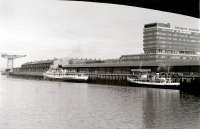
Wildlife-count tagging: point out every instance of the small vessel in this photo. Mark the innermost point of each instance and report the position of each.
(146, 79)
(61, 74)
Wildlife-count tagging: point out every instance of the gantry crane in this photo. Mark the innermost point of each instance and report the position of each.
(10, 60)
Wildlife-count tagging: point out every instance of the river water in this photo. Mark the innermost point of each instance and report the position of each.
(35, 104)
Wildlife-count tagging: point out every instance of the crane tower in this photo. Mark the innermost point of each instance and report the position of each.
(10, 60)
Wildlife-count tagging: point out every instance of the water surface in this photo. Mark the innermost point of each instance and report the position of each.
(35, 104)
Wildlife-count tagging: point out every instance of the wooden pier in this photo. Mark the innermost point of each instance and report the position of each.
(112, 79)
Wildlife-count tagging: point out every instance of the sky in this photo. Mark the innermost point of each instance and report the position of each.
(46, 29)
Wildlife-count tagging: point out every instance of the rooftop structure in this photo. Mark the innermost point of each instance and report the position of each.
(39, 62)
(41, 65)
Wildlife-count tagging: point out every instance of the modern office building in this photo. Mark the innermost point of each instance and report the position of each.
(165, 44)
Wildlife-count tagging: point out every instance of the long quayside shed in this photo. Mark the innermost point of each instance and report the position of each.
(36, 68)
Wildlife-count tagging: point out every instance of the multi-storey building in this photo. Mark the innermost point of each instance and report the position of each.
(164, 44)
(161, 38)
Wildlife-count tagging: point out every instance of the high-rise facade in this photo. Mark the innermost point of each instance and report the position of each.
(164, 44)
(161, 38)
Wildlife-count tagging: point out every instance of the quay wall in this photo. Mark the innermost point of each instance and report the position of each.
(101, 75)
(34, 75)
(111, 79)
(190, 85)
(116, 74)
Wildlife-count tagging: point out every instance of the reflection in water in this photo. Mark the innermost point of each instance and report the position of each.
(159, 107)
(167, 108)
(33, 104)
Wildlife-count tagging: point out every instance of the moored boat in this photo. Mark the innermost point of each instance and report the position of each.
(60, 74)
(160, 83)
(147, 79)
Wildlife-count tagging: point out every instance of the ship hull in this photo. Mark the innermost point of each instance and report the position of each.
(149, 84)
(70, 78)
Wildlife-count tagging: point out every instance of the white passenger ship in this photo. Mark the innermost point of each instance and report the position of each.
(147, 80)
(61, 74)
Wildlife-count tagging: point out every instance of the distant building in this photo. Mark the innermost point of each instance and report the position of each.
(37, 66)
(71, 61)
(166, 45)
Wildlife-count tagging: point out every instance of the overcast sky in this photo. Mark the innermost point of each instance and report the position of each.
(44, 29)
